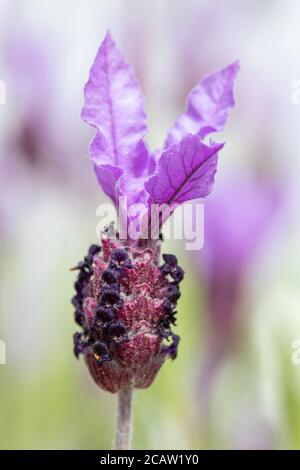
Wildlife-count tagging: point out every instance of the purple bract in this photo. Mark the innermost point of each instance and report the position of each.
(184, 169)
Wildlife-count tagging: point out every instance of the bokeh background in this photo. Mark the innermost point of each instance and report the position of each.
(236, 382)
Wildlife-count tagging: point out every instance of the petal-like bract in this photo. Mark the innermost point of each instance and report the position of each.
(207, 106)
(113, 104)
(185, 171)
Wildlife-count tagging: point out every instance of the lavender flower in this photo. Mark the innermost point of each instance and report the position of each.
(29, 64)
(125, 303)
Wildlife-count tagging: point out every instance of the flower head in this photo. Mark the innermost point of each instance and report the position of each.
(125, 302)
(125, 305)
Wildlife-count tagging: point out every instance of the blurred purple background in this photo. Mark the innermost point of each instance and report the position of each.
(234, 384)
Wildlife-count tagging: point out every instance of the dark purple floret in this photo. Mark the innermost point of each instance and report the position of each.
(110, 297)
(173, 293)
(94, 250)
(78, 285)
(88, 259)
(76, 302)
(101, 352)
(85, 266)
(168, 306)
(116, 329)
(177, 274)
(170, 259)
(172, 319)
(79, 345)
(109, 278)
(120, 259)
(91, 336)
(79, 317)
(85, 272)
(172, 349)
(83, 276)
(170, 267)
(164, 330)
(105, 314)
(119, 255)
(82, 280)
(165, 269)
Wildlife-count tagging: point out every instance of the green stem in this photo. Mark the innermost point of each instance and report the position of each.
(124, 420)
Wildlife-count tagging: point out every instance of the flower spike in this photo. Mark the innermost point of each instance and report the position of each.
(125, 303)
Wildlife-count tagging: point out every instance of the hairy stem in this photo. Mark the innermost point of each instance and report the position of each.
(124, 420)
